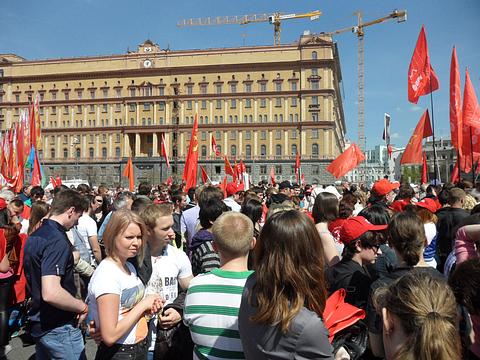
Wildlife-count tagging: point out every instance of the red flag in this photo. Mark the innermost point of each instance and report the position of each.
(205, 177)
(470, 110)
(303, 180)
(243, 168)
(346, 161)
(53, 182)
(424, 169)
(228, 167)
(128, 172)
(169, 181)
(58, 180)
(164, 151)
(36, 173)
(297, 167)
(215, 149)
(455, 174)
(455, 103)
(191, 164)
(422, 80)
(238, 170)
(413, 151)
(32, 125)
(389, 150)
(223, 186)
(272, 175)
(38, 133)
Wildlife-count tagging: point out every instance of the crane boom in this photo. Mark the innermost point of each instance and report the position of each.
(275, 19)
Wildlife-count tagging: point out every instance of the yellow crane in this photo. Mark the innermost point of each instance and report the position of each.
(401, 16)
(275, 19)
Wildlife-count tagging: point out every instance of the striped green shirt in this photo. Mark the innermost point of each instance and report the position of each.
(211, 313)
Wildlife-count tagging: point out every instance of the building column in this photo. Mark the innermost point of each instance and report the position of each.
(303, 150)
(155, 144)
(270, 143)
(137, 144)
(97, 146)
(110, 145)
(255, 143)
(240, 143)
(155, 112)
(167, 113)
(286, 152)
(127, 151)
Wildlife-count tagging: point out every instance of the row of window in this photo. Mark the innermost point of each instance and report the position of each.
(204, 150)
(91, 153)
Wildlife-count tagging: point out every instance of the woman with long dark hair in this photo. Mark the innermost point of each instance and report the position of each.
(283, 301)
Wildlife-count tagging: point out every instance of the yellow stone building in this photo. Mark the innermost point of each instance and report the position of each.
(261, 103)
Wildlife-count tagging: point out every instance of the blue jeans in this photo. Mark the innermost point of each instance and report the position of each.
(62, 343)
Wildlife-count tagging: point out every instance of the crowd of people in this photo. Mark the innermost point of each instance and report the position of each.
(343, 271)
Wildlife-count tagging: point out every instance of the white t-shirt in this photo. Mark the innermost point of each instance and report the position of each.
(430, 231)
(108, 278)
(166, 270)
(87, 227)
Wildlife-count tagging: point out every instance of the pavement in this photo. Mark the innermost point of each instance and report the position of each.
(19, 352)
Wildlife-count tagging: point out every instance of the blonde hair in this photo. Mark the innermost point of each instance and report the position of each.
(152, 212)
(116, 227)
(233, 233)
(426, 309)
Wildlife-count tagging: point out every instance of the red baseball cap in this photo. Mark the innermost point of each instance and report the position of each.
(233, 188)
(384, 186)
(428, 204)
(355, 227)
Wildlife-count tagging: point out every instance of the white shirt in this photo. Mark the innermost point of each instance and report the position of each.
(232, 204)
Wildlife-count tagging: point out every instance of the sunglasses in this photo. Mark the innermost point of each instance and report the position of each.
(100, 201)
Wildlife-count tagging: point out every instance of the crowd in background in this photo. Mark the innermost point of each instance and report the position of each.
(228, 273)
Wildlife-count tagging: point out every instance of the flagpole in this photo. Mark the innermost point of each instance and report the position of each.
(161, 169)
(433, 135)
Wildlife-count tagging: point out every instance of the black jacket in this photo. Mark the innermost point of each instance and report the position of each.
(447, 225)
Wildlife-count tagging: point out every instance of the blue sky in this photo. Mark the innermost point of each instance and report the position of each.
(59, 28)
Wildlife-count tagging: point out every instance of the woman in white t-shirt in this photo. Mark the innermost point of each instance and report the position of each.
(116, 293)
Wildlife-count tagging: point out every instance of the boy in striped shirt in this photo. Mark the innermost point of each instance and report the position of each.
(213, 298)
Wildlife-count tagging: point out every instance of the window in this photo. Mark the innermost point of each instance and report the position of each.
(54, 96)
(79, 109)
(263, 150)
(248, 103)
(161, 105)
(314, 149)
(278, 169)
(218, 88)
(314, 85)
(314, 133)
(315, 116)
(248, 151)
(118, 107)
(204, 104)
(161, 91)
(294, 149)
(233, 104)
(248, 135)
(248, 87)
(118, 92)
(52, 153)
(17, 98)
(67, 95)
(278, 150)
(189, 104)
(294, 134)
(315, 170)
(314, 100)
(131, 107)
(280, 118)
(278, 134)
(104, 152)
(278, 86)
(204, 135)
(278, 102)
(233, 150)
(218, 104)
(78, 153)
(263, 102)
(294, 85)
(203, 151)
(65, 110)
(92, 108)
(263, 87)
(65, 153)
(203, 89)
(314, 72)
(233, 88)
(92, 94)
(314, 55)
(189, 89)
(294, 102)
(105, 93)
(117, 152)
(233, 135)
(263, 135)
(221, 119)
(263, 169)
(132, 91)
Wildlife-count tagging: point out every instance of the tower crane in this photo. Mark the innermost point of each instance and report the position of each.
(401, 16)
(275, 19)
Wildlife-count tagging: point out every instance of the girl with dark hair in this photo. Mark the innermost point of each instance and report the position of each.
(325, 210)
(361, 248)
(283, 301)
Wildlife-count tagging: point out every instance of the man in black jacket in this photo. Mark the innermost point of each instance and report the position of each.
(449, 217)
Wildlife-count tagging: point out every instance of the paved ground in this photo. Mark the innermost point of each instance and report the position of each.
(28, 353)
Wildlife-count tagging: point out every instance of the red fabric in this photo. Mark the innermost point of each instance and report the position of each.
(164, 151)
(26, 212)
(355, 227)
(399, 205)
(53, 182)
(272, 175)
(413, 150)
(422, 80)
(455, 178)
(228, 168)
(36, 173)
(428, 204)
(223, 186)
(128, 172)
(455, 103)
(384, 186)
(20, 284)
(424, 179)
(339, 315)
(58, 180)
(169, 181)
(389, 150)
(3, 245)
(347, 161)
(204, 175)
(243, 168)
(20, 156)
(470, 110)
(297, 168)
(232, 188)
(335, 226)
(191, 164)
(215, 149)
(32, 125)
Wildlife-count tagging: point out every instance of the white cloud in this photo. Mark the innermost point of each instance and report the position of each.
(416, 108)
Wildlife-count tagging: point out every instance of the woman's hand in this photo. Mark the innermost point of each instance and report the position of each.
(152, 303)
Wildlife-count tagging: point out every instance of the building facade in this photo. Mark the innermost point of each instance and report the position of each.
(263, 104)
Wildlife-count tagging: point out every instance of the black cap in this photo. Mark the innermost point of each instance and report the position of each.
(285, 185)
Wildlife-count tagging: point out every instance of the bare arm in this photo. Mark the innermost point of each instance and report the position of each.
(185, 282)
(329, 250)
(97, 253)
(4, 264)
(111, 328)
(54, 294)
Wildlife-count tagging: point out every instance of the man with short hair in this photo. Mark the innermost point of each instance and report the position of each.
(213, 298)
(55, 312)
(179, 200)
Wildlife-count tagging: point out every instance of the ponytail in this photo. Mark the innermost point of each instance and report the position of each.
(406, 234)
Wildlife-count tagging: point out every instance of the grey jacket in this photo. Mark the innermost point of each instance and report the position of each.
(307, 337)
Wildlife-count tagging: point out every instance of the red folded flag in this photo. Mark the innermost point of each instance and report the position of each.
(455, 103)
(272, 175)
(191, 163)
(297, 167)
(36, 173)
(243, 168)
(470, 110)
(128, 172)
(205, 177)
(455, 178)
(164, 151)
(303, 179)
(228, 167)
(422, 80)
(424, 169)
(58, 180)
(215, 149)
(471, 127)
(413, 151)
(53, 182)
(346, 161)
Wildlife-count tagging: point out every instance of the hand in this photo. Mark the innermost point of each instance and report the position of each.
(152, 303)
(169, 318)
(94, 332)
(81, 318)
